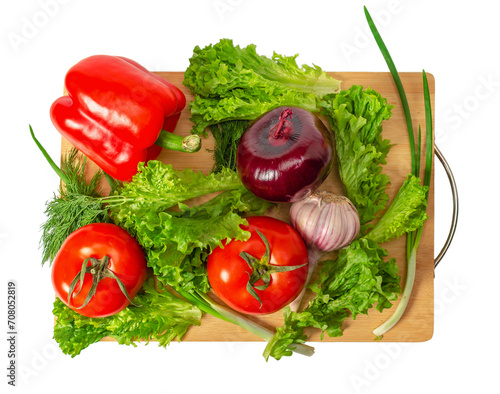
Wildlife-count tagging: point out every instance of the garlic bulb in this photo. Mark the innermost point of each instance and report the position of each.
(326, 222)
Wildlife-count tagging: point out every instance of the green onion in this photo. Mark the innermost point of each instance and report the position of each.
(413, 239)
(428, 128)
(207, 305)
(399, 86)
(58, 171)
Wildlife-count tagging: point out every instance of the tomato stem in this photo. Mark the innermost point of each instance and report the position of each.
(99, 269)
(262, 270)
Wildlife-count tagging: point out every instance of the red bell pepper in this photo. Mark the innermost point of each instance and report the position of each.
(114, 112)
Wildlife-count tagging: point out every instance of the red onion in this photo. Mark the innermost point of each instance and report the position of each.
(285, 154)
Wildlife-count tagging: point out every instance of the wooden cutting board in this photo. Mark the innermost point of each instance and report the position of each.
(418, 320)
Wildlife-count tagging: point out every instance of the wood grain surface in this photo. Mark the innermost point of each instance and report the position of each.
(418, 320)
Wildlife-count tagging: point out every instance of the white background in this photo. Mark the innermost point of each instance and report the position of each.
(457, 41)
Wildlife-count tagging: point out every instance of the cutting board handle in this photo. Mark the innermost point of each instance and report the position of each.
(454, 193)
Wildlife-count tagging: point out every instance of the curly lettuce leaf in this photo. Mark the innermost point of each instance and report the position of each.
(158, 186)
(356, 116)
(286, 336)
(162, 317)
(230, 82)
(359, 279)
(405, 214)
(221, 67)
(176, 242)
(207, 111)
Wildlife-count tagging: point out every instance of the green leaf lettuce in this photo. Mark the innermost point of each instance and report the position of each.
(162, 317)
(229, 82)
(175, 236)
(405, 214)
(356, 116)
(359, 279)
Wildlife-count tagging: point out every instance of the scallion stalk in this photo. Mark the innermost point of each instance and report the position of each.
(207, 305)
(399, 86)
(413, 239)
(56, 168)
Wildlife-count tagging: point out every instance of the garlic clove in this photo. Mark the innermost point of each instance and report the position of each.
(325, 220)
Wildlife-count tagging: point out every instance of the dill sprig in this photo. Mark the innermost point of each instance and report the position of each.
(77, 204)
(226, 137)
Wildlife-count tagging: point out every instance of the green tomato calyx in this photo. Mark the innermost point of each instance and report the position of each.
(261, 269)
(99, 269)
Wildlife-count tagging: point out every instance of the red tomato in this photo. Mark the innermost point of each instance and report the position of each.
(126, 261)
(229, 273)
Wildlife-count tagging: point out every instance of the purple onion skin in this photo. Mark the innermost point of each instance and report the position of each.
(285, 155)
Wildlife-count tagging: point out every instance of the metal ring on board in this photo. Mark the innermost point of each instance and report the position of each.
(454, 219)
